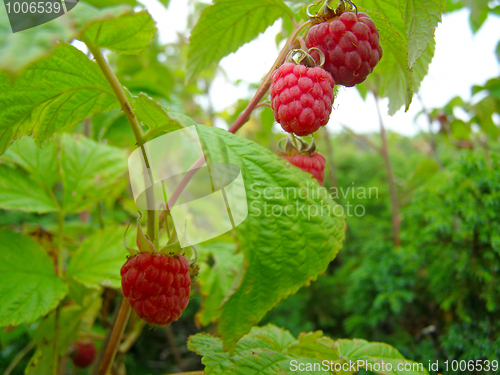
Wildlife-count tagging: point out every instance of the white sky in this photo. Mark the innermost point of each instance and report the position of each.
(461, 61)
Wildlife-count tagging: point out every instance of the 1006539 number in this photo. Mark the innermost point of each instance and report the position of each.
(33, 7)
(472, 365)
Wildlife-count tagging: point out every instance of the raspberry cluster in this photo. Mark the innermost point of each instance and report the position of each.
(350, 44)
(157, 286)
(343, 48)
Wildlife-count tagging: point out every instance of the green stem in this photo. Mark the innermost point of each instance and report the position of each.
(156, 229)
(119, 92)
(60, 220)
(125, 307)
(150, 222)
(60, 228)
(19, 356)
(99, 215)
(129, 113)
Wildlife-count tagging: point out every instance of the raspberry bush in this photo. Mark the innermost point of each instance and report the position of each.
(82, 94)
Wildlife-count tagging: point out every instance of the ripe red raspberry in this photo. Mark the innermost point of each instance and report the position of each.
(301, 98)
(82, 353)
(313, 164)
(157, 286)
(350, 44)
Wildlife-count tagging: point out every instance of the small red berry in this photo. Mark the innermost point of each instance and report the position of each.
(83, 353)
(350, 44)
(313, 164)
(157, 286)
(301, 98)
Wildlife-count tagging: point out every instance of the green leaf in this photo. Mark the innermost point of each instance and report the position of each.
(29, 190)
(145, 74)
(215, 282)
(22, 192)
(262, 351)
(456, 101)
(493, 87)
(460, 129)
(99, 259)
(31, 288)
(392, 76)
(374, 353)
(42, 361)
(226, 25)
(153, 115)
(70, 319)
(479, 10)
(421, 66)
(39, 162)
(484, 111)
(84, 14)
(272, 350)
(129, 33)
(407, 37)
(424, 171)
(90, 171)
(314, 345)
(421, 19)
(282, 252)
(19, 49)
(60, 90)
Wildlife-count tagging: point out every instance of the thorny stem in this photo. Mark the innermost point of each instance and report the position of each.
(125, 308)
